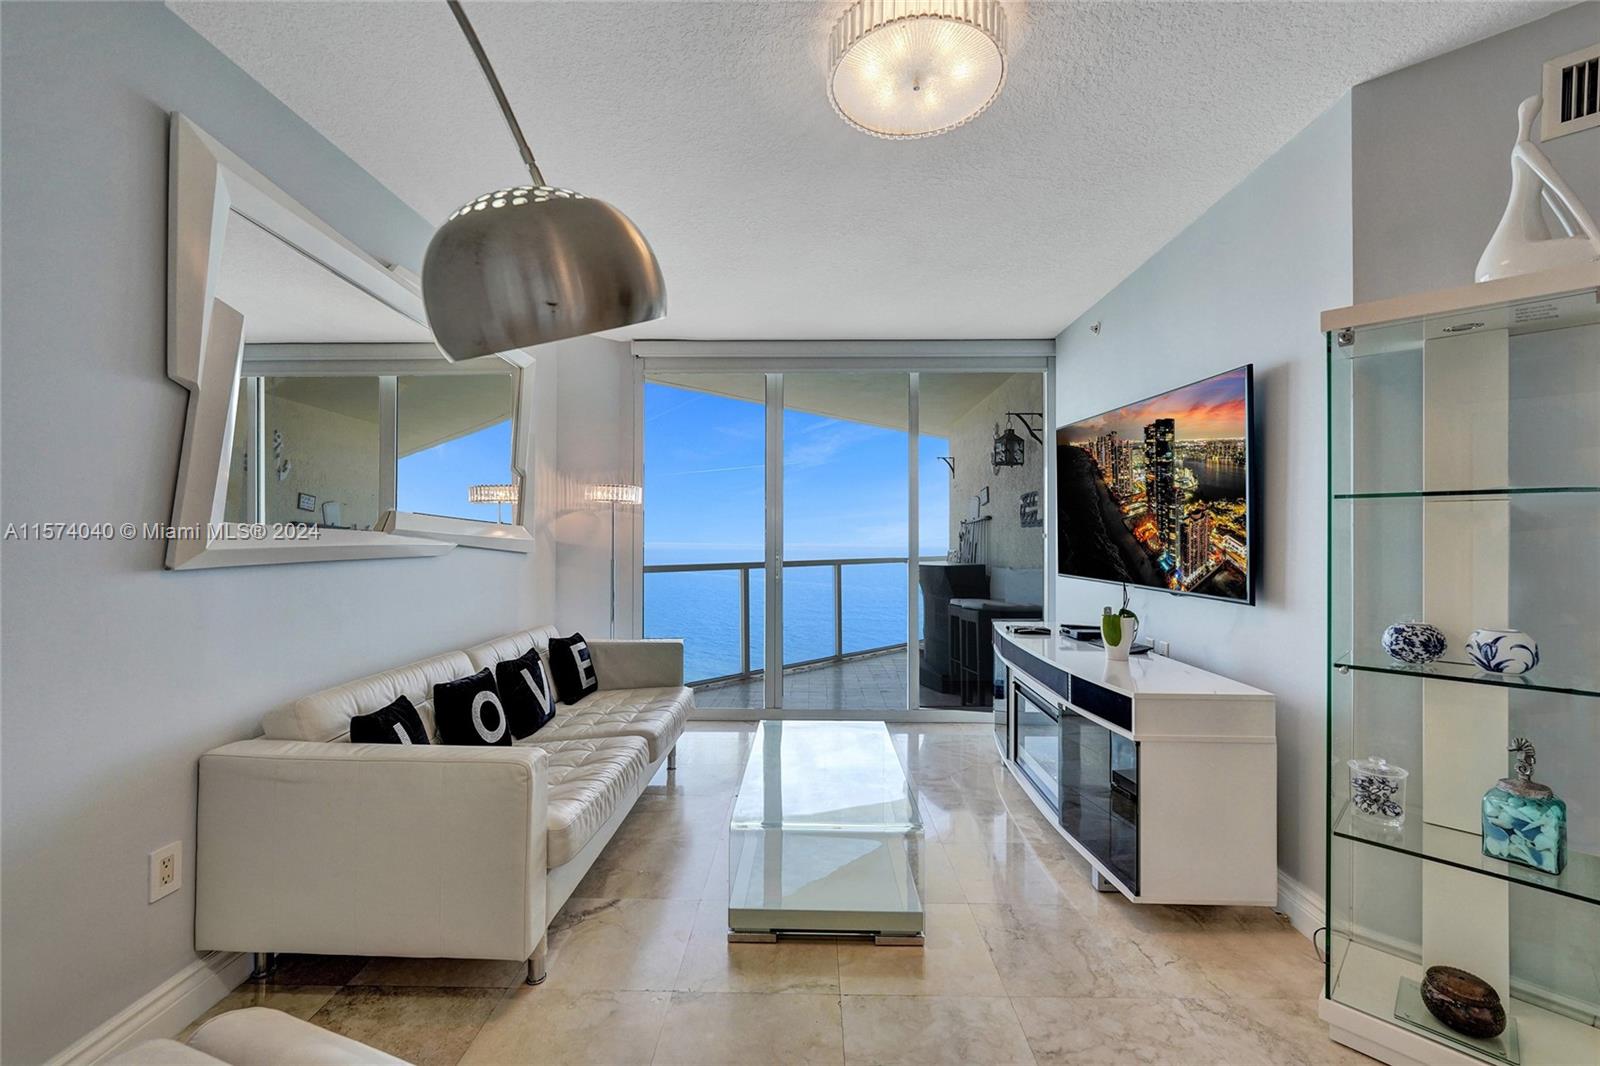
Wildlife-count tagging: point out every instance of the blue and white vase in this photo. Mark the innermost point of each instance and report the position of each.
(1413, 643)
(1503, 651)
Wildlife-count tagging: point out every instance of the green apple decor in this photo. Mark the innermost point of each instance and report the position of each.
(1119, 628)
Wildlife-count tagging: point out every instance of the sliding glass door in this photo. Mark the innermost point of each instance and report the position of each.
(829, 518)
(704, 529)
(845, 541)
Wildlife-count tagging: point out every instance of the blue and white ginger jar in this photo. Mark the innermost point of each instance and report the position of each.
(1413, 643)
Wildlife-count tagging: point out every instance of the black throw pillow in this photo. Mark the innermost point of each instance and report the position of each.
(468, 711)
(398, 723)
(525, 690)
(572, 667)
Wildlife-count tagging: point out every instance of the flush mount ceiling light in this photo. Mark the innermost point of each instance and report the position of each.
(916, 68)
(532, 264)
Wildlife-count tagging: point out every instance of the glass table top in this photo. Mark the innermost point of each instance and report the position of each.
(825, 835)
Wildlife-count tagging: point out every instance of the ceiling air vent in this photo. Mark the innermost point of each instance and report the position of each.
(1571, 93)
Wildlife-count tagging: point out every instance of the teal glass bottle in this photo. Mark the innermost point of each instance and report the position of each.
(1524, 821)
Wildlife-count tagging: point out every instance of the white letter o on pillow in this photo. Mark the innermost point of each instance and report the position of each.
(478, 703)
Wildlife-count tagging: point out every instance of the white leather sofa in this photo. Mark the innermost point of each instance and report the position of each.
(256, 1036)
(308, 843)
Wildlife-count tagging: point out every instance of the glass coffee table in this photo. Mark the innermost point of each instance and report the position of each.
(825, 838)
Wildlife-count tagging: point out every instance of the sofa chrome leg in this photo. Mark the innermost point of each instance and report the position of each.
(536, 971)
(672, 758)
(265, 963)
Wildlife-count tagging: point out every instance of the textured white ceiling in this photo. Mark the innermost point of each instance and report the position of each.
(709, 125)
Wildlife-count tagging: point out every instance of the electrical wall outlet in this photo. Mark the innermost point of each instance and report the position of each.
(166, 870)
(1163, 647)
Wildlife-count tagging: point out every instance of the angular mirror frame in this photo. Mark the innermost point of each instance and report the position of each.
(205, 354)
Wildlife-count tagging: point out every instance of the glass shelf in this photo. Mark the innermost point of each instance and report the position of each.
(1437, 843)
(1469, 494)
(1541, 679)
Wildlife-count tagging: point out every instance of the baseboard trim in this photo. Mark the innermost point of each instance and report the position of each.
(162, 1011)
(1306, 910)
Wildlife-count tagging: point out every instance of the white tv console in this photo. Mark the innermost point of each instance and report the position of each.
(1162, 775)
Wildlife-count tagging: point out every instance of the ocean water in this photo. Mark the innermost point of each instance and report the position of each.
(702, 607)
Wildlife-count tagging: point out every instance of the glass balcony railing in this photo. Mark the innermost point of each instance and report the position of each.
(834, 609)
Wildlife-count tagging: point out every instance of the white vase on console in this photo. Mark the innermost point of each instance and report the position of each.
(1117, 631)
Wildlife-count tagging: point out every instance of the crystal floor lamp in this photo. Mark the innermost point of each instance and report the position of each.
(495, 494)
(623, 495)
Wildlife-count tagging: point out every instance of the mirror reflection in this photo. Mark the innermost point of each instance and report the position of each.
(346, 410)
(455, 434)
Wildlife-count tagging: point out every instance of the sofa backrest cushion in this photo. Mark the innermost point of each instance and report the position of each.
(511, 646)
(325, 715)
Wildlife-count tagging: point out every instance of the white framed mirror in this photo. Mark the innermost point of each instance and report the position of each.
(323, 423)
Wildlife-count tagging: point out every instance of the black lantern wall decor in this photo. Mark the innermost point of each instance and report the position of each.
(1008, 445)
(1007, 448)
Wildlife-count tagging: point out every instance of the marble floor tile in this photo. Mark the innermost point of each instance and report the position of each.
(939, 882)
(644, 865)
(1258, 965)
(556, 1028)
(709, 1028)
(1024, 958)
(617, 944)
(696, 814)
(424, 1026)
(947, 819)
(1012, 873)
(716, 886)
(681, 819)
(711, 964)
(302, 1001)
(1054, 951)
(1290, 1029)
(954, 961)
(442, 973)
(925, 1030)
(1116, 1032)
(1286, 1031)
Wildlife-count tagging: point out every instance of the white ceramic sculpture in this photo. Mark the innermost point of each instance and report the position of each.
(1522, 242)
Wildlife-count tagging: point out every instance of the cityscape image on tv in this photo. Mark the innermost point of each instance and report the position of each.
(1155, 493)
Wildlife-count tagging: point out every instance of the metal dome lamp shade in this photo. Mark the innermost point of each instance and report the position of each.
(532, 264)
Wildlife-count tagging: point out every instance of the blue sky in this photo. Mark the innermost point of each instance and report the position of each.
(844, 483)
(435, 480)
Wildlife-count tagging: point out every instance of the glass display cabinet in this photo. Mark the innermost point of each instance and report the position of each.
(1464, 618)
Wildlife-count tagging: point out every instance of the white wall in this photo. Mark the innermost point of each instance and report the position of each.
(1244, 284)
(597, 443)
(1432, 148)
(117, 675)
(333, 456)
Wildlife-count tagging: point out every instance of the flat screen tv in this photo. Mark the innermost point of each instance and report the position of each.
(1158, 493)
